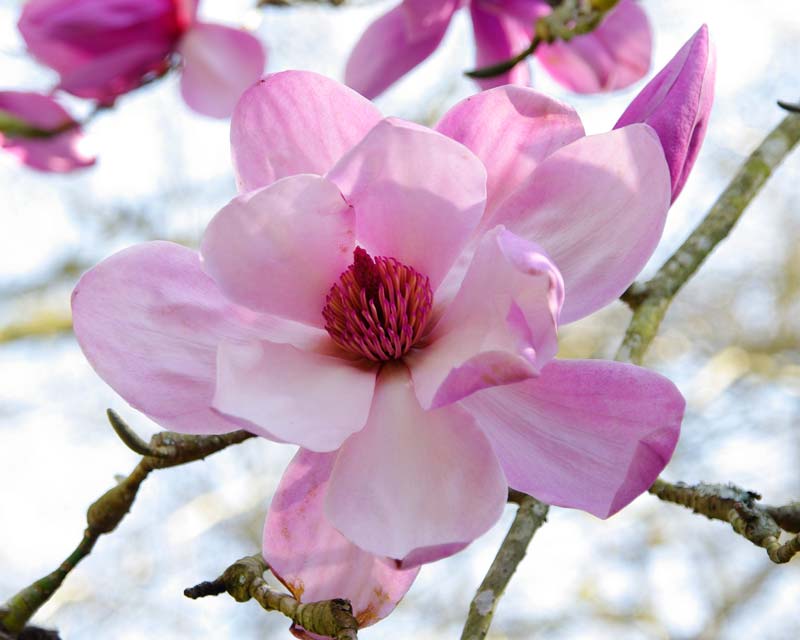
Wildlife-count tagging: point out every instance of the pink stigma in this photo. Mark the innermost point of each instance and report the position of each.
(379, 307)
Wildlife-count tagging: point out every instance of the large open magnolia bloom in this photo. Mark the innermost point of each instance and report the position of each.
(53, 139)
(615, 55)
(387, 297)
(105, 48)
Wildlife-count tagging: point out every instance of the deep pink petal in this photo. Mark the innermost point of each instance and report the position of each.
(295, 122)
(498, 37)
(613, 56)
(417, 195)
(219, 63)
(313, 559)
(413, 479)
(59, 153)
(677, 103)
(500, 328)
(281, 248)
(511, 129)
(303, 397)
(598, 207)
(149, 319)
(101, 48)
(586, 434)
(396, 43)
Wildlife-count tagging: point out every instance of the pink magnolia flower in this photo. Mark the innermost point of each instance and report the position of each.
(105, 48)
(677, 103)
(53, 140)
(387, 297)
(613, 56)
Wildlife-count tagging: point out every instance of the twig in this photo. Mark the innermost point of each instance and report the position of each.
(651, 300)
(531, 515)
(172, 449)
(737, 507)
(43, 324)
(244, 579)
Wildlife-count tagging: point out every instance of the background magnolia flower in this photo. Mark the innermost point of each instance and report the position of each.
(613, 56)
(427, 352)
(40, 133)
(105, 48)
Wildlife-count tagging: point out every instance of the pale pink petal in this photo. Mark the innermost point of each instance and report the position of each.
(598, 207)
(281, 248)
(511, 129)
(417, 195)
(498, 37)
(413, 479)
(303, 397)
(396, 43)
(586, 434)
(58, 153)
(613, 56)
(677, 103)
(313, 559)
(295, 122)
(500, 328)
(218, 64)
(149, 319)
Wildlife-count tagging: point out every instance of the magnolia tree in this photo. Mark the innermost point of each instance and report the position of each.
(387, 296)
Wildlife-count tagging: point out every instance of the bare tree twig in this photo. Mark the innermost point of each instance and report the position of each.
(244, 580)
(737, 507)
(650, 301)
(531, 515)
(171, 449)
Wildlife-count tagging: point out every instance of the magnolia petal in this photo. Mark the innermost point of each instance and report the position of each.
(218, 64)
(295, 122)
(613, 56)
(417, 195)
(511, 129)
(589, 434)
(313, 559)
(500, 328)
(59, 153)
(677, 103)
(149, 319)
(414, 479)
(498, 37)
(598, 207)
(396, 43)
(306, 398)
(280, 249)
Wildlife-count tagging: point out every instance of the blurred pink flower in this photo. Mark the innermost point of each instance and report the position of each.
(53, 137)
(387, 297)
(613, 56)
(105, 48)
(677, 103)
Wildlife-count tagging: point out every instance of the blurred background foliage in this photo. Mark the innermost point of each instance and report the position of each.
(730, 341)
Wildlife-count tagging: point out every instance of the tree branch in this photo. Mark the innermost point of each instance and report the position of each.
(244, 579)
(738, 508)
(531, 515)
(650, 301)
(167, 450)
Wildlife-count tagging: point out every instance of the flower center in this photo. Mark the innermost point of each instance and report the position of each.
(379, 307)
